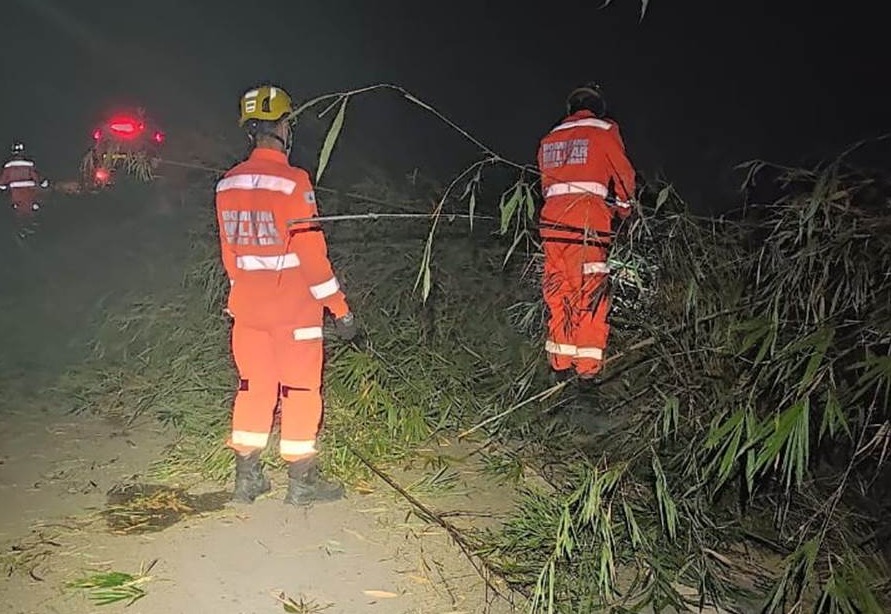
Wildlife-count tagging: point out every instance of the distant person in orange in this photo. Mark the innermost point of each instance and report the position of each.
(20, 179)
(281, 285)
(587, 181)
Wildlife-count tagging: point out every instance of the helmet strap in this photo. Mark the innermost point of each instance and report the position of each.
(287, 142)
(272, 135)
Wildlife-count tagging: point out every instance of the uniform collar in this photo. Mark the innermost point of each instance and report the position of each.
(265, 153)
(582, 114)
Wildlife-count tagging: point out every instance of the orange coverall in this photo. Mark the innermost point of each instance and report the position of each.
(20, 178)
(281, 283)
(582, 161)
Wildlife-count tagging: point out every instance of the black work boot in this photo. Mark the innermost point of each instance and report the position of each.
(249, 479)
(307, 486)
(558, 377)
(588, 382)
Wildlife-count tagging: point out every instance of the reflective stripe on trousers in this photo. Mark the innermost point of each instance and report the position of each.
(297, 448)
(595, 268)
(249, 439)
(565, 349)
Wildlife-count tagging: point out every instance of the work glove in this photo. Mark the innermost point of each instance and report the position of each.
(346, 327)
(44, 184)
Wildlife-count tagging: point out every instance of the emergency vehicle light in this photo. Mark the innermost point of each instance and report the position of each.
(126, 127)
(101, 175)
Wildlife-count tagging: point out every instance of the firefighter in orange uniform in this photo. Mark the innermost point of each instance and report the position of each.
(587, 181)
(281, 285)
(20, 178)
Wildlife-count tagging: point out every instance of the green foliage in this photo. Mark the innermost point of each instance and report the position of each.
(106, 588)
(759, 348)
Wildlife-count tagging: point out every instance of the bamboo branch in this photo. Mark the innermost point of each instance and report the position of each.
(479, 564)
(377, 216)
(353, 195)
(631, 349)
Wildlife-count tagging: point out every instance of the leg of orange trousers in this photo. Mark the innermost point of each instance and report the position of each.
(300, 372)
(574, 297)
(257, 395)
(556, 287)
(593, 325)
(23, 198)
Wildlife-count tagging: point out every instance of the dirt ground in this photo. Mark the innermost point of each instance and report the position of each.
(364, 554)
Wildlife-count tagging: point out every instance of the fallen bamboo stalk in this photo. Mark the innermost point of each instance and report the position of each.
(327, 190)
(610, 359)
(375, 216)
(479, 564)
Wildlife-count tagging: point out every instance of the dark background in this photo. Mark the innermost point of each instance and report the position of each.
(697, 85)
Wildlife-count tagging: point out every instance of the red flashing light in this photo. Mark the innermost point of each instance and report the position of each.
(159, 137)
(101, 175)
(126, 127)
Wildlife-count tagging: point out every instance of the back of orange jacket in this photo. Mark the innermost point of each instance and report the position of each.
(278, 275)
(587, 151)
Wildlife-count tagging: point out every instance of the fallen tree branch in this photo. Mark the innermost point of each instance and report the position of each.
(479, 564)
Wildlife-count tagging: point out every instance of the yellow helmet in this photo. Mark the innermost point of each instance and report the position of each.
(267, 103)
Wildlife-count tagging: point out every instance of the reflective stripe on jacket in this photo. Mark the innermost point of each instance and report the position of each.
(19, 173)
(583, 149)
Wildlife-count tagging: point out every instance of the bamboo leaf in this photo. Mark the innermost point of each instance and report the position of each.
(662, 197)
(666, 504)
(510, 207)
(513, 246)
(834, 419)
(718, 434)
(636, 535)
(331, 138)
(530, 203)
(790, 433)
(821, 342)
(670, 415)
(471, 207)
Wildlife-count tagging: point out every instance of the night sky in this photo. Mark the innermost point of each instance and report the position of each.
(696, 86)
